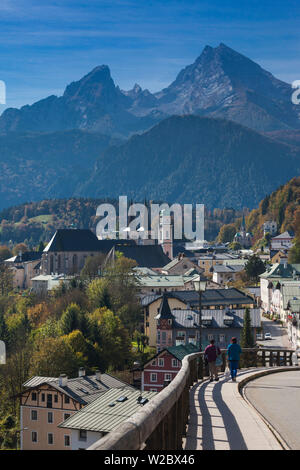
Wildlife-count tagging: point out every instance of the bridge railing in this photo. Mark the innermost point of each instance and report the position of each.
(161, 423)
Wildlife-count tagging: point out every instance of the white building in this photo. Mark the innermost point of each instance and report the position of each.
(282, 241)
(270, 226)
(103, 415)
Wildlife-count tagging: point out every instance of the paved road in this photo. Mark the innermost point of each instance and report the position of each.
(277, 398)
(279, 335)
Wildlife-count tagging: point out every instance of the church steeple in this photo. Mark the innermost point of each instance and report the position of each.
(243, 226)
(165, 320)
(164, 309)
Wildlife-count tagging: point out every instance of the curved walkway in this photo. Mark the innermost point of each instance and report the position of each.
(220, 419)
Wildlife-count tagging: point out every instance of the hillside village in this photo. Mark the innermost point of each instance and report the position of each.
(79, 290)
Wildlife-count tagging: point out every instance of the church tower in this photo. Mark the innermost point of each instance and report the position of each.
(165, 320)
(165, 232)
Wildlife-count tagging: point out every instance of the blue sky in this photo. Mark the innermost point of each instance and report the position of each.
(46, 44)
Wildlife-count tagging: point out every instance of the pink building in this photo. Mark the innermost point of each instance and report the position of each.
(162, 368)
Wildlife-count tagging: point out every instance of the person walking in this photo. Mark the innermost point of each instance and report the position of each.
(211, 353)
(234, 351)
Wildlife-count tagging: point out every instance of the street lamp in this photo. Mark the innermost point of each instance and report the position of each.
(200, 287)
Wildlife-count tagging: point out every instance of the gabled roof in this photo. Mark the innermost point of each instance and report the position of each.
(179, 352)
(222, 268)
(282, 235)
(81, 240)
(189, 319)
(25, 257)
(164, 309)
(183, 350)
(209, 297)
(281, 271)
(147, 256)
(82, 389)
(106, 413)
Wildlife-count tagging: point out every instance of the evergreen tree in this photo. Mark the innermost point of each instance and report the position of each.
(254, 267)
(247, 336)
(72, 319)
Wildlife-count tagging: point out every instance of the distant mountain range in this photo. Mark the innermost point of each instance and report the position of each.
(235, 137)
(220, 83)
(194, 159)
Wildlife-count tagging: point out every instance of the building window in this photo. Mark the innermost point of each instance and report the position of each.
(161, 362)
(33, 396)
(168, 377)
(49, 400)
(67, 441)
(55, 398)
(222, 338)
(50, 417)
(43, 397)
(174, 363)
(50, 438)
(34, 436)
(34, 415)
(67, 399)
(82, 435)
(153, 378)
(153, 363)
(66, 416)
(153, 390)
(210, 337)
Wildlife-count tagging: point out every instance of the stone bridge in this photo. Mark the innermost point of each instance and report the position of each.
(193, 413)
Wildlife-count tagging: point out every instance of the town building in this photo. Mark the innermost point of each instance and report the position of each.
(270, 226)
(208, 261)
(224, 273)
(67, 251)
(48, 401)
(103, 415)
(293, 322)
(24, 267)
(281, 273)
(158, 283)
(284, 241)
(181, 265)
(44, 283)
(146, 256)
(243, 237)
(212, 299)
(162, 368)
(182, 327)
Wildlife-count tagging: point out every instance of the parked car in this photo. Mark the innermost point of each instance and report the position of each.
(259, 336)
(268, 336)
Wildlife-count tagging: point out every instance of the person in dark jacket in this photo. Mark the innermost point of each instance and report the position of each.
(234, 351)
(211, 353)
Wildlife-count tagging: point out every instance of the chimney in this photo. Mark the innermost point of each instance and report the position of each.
(98, 375)
(81, 372)
(63, 380)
